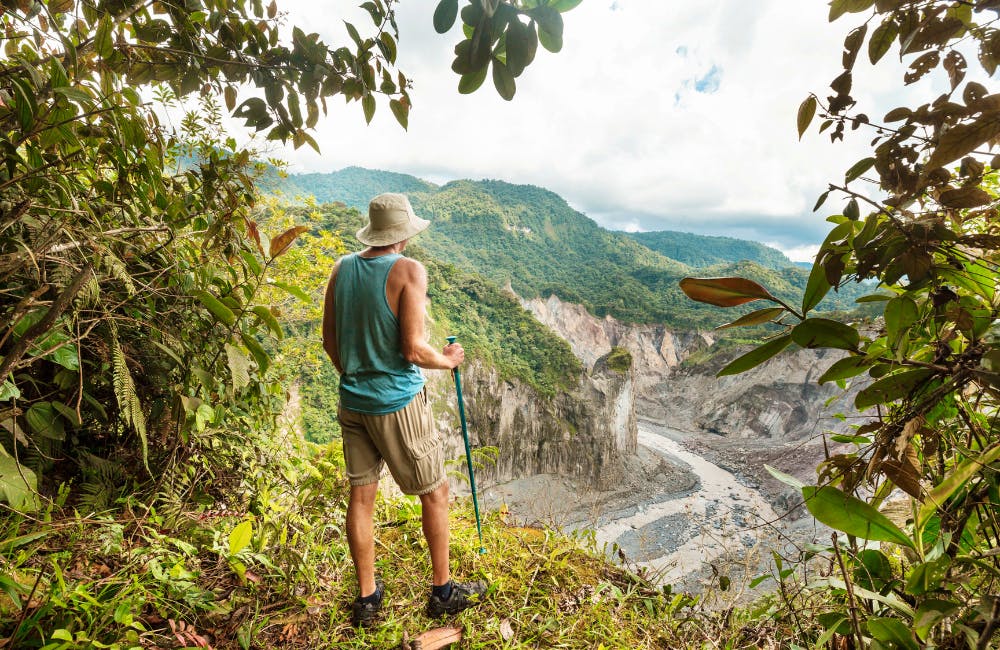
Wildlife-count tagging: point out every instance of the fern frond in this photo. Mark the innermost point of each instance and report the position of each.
(128, 400)
(89, 294)
(117, 269)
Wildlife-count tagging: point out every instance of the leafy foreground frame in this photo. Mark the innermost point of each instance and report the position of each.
(930, 363)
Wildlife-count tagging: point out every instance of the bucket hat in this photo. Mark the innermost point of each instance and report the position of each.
(390, 220)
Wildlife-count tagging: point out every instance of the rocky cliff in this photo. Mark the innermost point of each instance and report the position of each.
(656, 349)
(585, 433)
(779, 399)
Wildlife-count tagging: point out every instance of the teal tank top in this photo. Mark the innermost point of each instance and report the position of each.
(377, 379)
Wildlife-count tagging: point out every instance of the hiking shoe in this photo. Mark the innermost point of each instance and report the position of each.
(463, 596)
(363, 613)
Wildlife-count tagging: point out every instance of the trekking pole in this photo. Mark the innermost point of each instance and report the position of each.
(468, 452)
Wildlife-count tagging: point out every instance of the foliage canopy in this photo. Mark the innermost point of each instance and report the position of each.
(930, 365)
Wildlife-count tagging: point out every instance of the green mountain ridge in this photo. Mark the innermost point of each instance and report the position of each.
(530, 237)
(707, 250)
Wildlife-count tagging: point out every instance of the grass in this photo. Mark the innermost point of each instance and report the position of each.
(147, 580)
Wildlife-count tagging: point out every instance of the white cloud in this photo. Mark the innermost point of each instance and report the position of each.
(804, 253)
(615, 122)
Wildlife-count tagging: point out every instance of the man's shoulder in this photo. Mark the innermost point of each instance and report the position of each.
(409, 268)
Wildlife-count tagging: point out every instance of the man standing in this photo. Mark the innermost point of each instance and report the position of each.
(373, 330)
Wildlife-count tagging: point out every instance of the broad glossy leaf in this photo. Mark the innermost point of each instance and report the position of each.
(258, 352)
(471, 82)
(724, 292)
(550, 28)
(268, 318)
(963, 138)
(816, 287)
(562, 6)
(893, 632)
(45, 421)
(931, 612)
(807, 109)
(882, 39)
(240, 537)
(874, 570)
(68, 413)
(900, 313)
(840, 7)
(927, 576)
(503, 80)
(875, 297)
(292, 289)
(282, 242)
(444, 15)
(368, 107)
(825, 333)
(858, 168)
(757, 317)
(891, 388)
(959, 476)
(102, 38)
(401, 112)
(787, 479)
(216, 307)
(846, 368)
(757, 356)
(18, 484)
(850, 515)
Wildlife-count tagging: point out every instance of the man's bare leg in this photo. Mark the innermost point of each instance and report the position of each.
(435, 525)
(361, 536)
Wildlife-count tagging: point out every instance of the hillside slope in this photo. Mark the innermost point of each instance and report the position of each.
(704, 250)
(532, 238)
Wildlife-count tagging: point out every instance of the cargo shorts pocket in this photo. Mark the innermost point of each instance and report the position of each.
(423, 445)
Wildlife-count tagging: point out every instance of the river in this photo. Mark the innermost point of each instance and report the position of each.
(720, 516)
(710, 516)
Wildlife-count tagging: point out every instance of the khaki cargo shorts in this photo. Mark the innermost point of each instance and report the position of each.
(405, 440)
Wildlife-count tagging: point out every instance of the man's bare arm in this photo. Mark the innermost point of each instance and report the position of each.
(330, 323)
(412, 305)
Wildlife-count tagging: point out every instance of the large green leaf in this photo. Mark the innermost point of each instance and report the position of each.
(807, 109)
(787, 479)
(757, 317)
(269, 319)
(927, 576)
(503, 80)
(841, 7)
(218, 309)
(240, 537)
(845, 368)
(891, 388)
(825, 333)
(444, 15)
(816, 287)
(931, 612)
(18, 484)
(724, 292)
(892, 631)
(845, 513)
(900, 313)
(45, 421)
(757, 356)
(959, 476)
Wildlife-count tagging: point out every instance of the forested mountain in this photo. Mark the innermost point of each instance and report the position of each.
(531, 238)
(354, 186)
(705, 250)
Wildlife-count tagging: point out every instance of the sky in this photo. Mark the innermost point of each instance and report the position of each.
(656, 115)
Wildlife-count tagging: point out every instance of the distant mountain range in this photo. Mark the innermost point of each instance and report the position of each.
(532, 239)
(701, 250)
